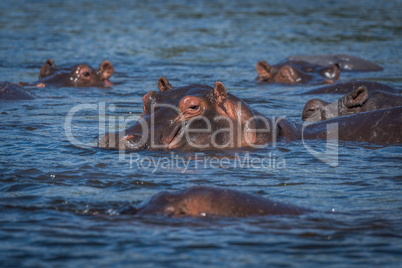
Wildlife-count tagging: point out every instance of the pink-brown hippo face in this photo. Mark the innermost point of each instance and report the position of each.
(81, 75)
(193, 117)
(297, 72)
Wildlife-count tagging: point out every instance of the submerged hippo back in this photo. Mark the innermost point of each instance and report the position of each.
(379, 127)
(347, 87)
(346, 62)
(200, 201)
(10, 91)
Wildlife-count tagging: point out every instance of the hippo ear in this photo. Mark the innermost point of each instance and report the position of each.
(106, 69)
(263, 70)
(50, 62)
(336, 71)
(47, 69)
(357, 97)
(311, 107)
(331, 72)
(163, 84)
(220, 93)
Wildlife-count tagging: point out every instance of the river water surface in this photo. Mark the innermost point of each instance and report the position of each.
(60, 197)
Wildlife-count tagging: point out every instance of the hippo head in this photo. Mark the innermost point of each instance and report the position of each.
(314, 110)
(351, 103)
(81, 75)
(194, 117)
(293, 72)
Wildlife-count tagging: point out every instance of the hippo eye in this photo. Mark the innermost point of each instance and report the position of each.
(191, 106)
(86, 74)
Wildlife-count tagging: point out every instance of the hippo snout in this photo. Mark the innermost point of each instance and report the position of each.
(111, 141)
(120, 140)
(107, 141)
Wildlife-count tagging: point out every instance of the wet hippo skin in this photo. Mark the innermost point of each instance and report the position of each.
(346, 62)
(10, 91)
(382, 126)
(199, 117)
(357, 101)
(347, 87)
(193, 117)
(81, 75)
(297, 72)
(201, 201)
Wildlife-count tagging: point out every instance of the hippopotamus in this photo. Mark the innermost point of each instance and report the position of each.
(10, 91)
(199, 117)
(202, 201)
(193, 117)
(81, 75)
(345, 62)
(346, 87)
(297, 72)
(360, 100)
(382, 126)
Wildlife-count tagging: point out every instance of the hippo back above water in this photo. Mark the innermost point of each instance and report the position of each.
(382, 126)
(345, 62)
(201, 201)
(10, 91)
(81, 75)
(347, 87)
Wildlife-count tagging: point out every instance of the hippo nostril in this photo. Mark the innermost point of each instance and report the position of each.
(172, 140)
(177, 132)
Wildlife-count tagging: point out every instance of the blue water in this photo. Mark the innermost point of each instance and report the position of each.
(60, 203)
